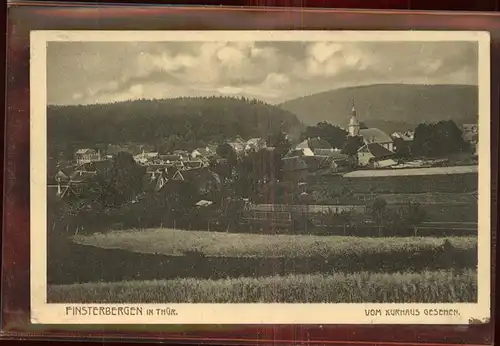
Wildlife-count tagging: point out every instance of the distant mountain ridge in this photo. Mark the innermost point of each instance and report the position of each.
(391, 107)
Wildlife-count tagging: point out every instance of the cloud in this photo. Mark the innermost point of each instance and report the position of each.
(91, 72)
(229, 90)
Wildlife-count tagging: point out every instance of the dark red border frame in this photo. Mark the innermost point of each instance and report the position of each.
(15, 253)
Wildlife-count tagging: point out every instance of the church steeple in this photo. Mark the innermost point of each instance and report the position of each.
(353, 123)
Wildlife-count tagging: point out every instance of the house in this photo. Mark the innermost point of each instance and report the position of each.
(68, 181)
(470, 134)
(182, 154)
(202, 153)
(158, 175)
(469, 131)
(255, 144)
(155, 170)
(237, 144)
(87, 155)
(238, 139)
(63, 190)
(164, 176)
(299, 152)
(298, 165)
(204, 179)
(194, 164)
(170, 158)
(93, 168)
(226, 150)
(334, 153)
(239, 148)
(374, 135)
(406, 136)
(145, 157)
(212, 148)
(313, 144)
(62, 175)
(375, 155)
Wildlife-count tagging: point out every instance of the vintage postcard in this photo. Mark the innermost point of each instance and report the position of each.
(258, 177)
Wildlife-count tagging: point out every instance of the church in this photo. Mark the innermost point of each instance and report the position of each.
(370, 135)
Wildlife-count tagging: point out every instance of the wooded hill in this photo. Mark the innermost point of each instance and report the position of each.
(390, 107)
(190, 122)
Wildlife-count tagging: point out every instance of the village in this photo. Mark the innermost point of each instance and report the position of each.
(307, 170)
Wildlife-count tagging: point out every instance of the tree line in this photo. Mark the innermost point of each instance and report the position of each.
(437, 139)
(182, 123)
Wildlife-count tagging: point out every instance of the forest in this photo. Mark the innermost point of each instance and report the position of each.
(182, 123)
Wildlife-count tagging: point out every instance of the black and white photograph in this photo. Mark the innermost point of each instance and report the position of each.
(289, 176)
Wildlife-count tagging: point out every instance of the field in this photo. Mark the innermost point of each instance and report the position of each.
(167, 265)
(161, 265)
(380, 182)
(412, 171)
(217, 244)
(363, 287)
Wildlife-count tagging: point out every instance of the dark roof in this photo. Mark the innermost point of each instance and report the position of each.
(199, 173)
(318, 162)
(157, 167)
(379, 151)
(203, 151)
(170, 157)
(85, 151)
(334, 154)
(179, 152)
(314, 143)
(374, 135)
(168, 169)
(103, 165)
(295, 153)
(237, 146)
(98, 166)
(193, 164)
(79, 177)
(311, 163)
(294, 163)
(64, 173)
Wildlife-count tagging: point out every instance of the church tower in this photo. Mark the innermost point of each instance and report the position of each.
(353, 123)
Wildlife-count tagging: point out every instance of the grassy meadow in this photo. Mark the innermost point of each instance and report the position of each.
(157, 266)
(363, 287)
(218, 244)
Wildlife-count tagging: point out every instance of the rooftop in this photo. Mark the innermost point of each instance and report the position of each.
(314, 143)
(375, 135)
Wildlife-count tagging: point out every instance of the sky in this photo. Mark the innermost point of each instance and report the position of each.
(102, 72)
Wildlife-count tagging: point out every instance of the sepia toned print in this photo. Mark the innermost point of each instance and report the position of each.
(260, 177)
